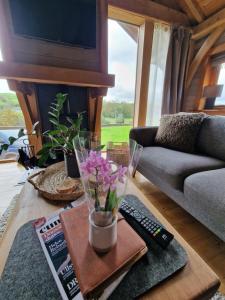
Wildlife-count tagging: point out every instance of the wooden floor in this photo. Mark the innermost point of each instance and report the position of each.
(205, 243)
(10, 174)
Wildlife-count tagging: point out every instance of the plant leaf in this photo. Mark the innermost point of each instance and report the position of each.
(53, 108)
(35, 125)
(12, 139)
(111, 202)
(21, 133)
(62, 127)
(52, 114)
(52, 154)
(61, 98)
(42, 160)
(57, 140)
(53, 121)
(52, 132)
(4, 147)
(99, 148)
(69, 120)
(45, 148)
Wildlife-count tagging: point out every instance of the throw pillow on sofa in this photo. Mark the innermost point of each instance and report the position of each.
(179, 131)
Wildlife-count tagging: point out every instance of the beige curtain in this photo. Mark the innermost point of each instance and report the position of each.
(160, 45)
(175, 70)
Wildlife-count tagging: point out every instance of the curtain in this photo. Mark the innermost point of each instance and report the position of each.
(176, 64)
(160, 44)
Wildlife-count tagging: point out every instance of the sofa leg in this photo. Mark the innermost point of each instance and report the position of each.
(133, 173)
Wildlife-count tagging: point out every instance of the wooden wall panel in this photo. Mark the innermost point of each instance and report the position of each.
(33, 51)
(193, 94)
(210, 78)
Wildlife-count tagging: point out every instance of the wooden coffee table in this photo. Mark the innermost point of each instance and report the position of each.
(195, 281)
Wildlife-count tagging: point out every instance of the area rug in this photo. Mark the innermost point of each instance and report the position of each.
(7, 216)
(218, 296)
(9, 213)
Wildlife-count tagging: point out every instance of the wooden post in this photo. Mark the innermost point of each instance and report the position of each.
(143, 70)
(27, 99)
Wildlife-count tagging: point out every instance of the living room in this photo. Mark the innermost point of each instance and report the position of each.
(112, 123)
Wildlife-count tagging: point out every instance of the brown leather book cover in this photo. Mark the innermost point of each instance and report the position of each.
(95, 272)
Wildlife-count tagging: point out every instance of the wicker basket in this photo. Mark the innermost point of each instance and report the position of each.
(47, 181)
(118, 153)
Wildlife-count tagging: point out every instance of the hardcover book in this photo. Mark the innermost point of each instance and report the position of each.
(95, 272)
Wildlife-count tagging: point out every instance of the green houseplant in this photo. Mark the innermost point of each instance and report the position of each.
(60, 138)
(12, 139)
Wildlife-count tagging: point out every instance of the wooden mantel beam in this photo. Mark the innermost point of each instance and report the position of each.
(208, 25)
(150, 9)
(55, 75)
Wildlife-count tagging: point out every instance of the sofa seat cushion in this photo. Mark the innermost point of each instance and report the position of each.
(205, 193)
(174, 166)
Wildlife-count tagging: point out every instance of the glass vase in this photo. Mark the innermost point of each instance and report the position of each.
(127, 155)
(104, 174)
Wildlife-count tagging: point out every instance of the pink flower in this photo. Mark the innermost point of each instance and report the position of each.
(109, 182)
(101, 168)
(121, 173)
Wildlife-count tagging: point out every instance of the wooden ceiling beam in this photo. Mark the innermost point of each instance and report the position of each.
(209, 25)
(202, 53)
(193, 10)
(152, 10)
(125, 16)
(55, 75)
(218, 49)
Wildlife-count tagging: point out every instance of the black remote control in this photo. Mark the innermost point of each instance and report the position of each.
(156, 231)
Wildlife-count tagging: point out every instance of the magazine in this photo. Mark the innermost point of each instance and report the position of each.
(50, 234)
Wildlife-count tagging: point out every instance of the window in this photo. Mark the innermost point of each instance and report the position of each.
(221, 80)
(118, 105)
(11, 117)
(160, 45)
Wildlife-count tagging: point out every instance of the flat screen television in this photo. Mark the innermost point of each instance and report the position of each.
(68, 22)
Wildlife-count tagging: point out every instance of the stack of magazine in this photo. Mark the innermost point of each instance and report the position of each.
(51, 236)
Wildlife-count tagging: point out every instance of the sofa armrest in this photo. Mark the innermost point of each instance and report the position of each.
(144, 136)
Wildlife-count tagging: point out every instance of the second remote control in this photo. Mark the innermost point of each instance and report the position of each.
(156, 231)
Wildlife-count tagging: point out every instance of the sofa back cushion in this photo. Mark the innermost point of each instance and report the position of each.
(211, 139)
(179, 131)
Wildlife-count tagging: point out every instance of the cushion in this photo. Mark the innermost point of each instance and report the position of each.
(211, 140)
(179, 131)
(174, 166)
(144, 136)
(205, 193)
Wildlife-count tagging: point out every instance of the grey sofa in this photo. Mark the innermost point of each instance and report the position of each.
(195, 181)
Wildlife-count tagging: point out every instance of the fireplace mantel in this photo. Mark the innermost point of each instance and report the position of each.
(55, 75)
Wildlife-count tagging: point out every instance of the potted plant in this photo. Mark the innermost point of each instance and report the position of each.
(60, 138)
(25, 155)
(104, 182)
